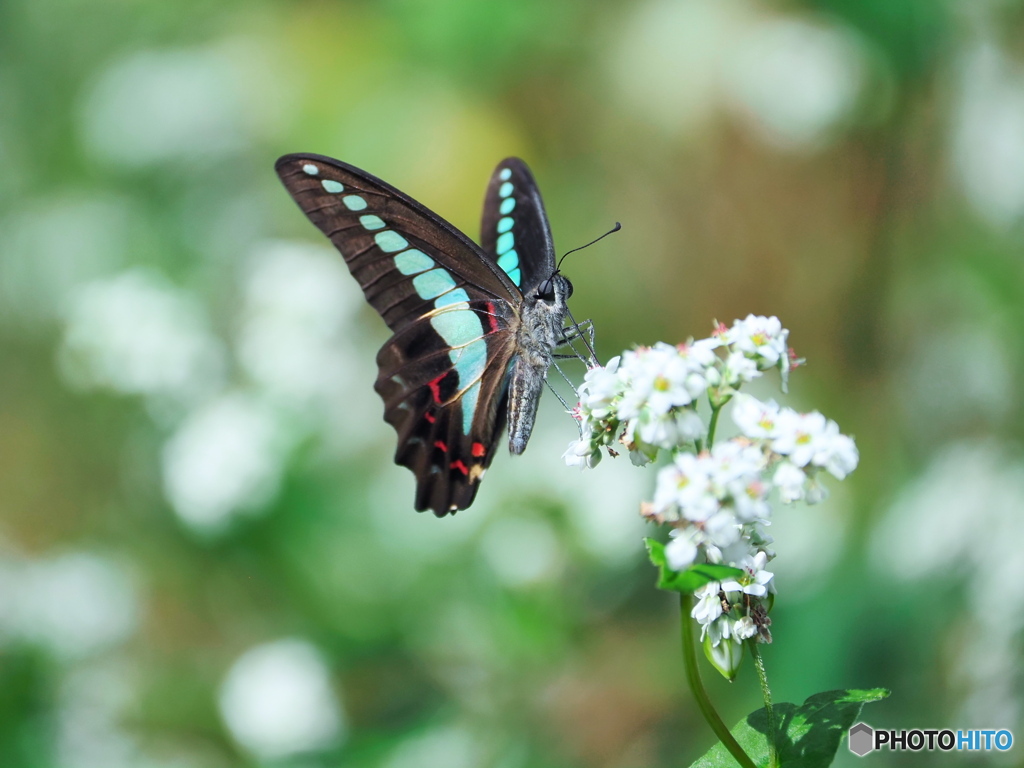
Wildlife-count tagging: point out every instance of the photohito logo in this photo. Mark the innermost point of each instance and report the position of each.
(864, 739)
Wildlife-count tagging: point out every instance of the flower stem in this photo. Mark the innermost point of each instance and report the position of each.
(712, 424)
(767, 694)
(704, 704)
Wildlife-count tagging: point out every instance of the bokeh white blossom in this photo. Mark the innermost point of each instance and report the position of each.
(137, 334)
(76, 604)
(158, 106)
(298, 301)
(988, 134)
(277, 701)
(226, 458)
(963, 511)
(793, 80)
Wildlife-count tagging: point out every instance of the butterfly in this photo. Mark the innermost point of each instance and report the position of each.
(474, 327)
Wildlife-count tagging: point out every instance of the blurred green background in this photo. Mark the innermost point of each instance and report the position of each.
(206, 555)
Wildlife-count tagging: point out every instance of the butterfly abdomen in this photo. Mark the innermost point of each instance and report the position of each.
(525, 388)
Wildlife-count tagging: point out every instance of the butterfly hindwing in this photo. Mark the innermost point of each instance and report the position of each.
(442, 375)
(447, 403)
(514, 231)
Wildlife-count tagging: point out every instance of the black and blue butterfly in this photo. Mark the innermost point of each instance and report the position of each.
(475, 327)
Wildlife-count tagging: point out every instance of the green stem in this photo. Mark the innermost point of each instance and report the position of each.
(767, 694)
(704, 704)
(712, 424)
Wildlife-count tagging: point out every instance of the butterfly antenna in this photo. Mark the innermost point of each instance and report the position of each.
(616, 228)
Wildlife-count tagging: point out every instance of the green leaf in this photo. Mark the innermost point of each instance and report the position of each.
(693, 578)
(809, 735)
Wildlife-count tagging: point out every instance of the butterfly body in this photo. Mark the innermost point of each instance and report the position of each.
(474, 326)
(540, 331)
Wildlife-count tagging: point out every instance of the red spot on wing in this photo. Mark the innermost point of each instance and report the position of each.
(430, 417)
(457, 464)
(492, 318)
(435, 387)
(479, 450)
(440, 444)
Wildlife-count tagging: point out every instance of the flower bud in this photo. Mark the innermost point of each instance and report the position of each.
(725, 656)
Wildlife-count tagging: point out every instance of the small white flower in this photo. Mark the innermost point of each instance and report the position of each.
(733, 460)
(668, 431)
(789, 479)
(800, 435)
(838, 453)
(737, 553)
(632, 403)
(750, 499)
(681, 551)
(708, 605)
(701, 352)
(744, 628)
(582, 453)
(714, 378)
(762, 338)
(756, 420)
(660, 378)
(654, 429)
(689, 425)
(718, 630)
(755, 581)
(684, 486)
(666, 491)
(600, 388)
(816, 492)
(722, 528)
(739, 369)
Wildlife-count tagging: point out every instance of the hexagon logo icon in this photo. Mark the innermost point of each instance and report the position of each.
(861, 739)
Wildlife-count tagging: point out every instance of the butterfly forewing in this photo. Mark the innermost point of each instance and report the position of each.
(514, 231)
(403, 255)
(442, 375)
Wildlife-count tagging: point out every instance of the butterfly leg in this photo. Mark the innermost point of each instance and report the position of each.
(568, 408)
(560, 398)
(585, 331)
(571, 333)
(575, 331)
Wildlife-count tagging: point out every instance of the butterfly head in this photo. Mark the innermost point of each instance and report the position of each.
(554, 290)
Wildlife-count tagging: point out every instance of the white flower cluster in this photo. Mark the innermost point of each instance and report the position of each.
(652, 392)
(716, 496)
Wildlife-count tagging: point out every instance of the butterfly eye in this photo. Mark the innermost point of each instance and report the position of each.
(546, 290)
(568, 286)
